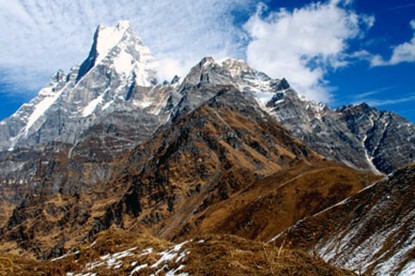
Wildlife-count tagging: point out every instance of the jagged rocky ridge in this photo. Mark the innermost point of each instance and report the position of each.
(388, 138)
(64, 149)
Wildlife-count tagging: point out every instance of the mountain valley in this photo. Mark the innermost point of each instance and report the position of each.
(222, 171)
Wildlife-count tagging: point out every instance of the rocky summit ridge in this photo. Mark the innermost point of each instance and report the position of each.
(225, 149)
(120, 75)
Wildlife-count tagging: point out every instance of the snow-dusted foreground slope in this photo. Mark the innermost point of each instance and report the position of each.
(372, 231)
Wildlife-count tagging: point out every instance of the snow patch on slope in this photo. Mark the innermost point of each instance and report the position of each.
(408, 270)
(49, 98)
(145, 67)
(90, 108)
(169, 262)
(142, 104)
(171, 254)
(137, 61)
(368, 157)
(393, 262)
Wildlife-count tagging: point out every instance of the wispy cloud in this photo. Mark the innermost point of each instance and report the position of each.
(382, 102)
(39, 37)
(366, 94)
(402, 6)
(306, 43)
(404, 52)
(368, 97)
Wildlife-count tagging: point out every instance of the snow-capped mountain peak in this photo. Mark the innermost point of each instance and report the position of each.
(120, 49)
(118, 65)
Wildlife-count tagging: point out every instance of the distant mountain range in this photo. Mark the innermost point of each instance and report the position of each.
(224, 150)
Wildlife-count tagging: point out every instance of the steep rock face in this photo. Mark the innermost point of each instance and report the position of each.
(359, 136)
(372, 231)
(389, 139)
(319, 127)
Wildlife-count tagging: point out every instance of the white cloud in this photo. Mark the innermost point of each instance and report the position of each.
(303, 44)
(39, 37)
(404, 52)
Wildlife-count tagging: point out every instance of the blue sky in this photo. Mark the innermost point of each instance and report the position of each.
(337, 51)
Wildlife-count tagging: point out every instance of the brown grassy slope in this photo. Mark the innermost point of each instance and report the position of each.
(46, 225)
(272, 204)
(204, 255)
(204, 158)
(6, 211)
(183, 180)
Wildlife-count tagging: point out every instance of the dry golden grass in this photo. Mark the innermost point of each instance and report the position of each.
(207, 255)
(231, 255)
(271, 205)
